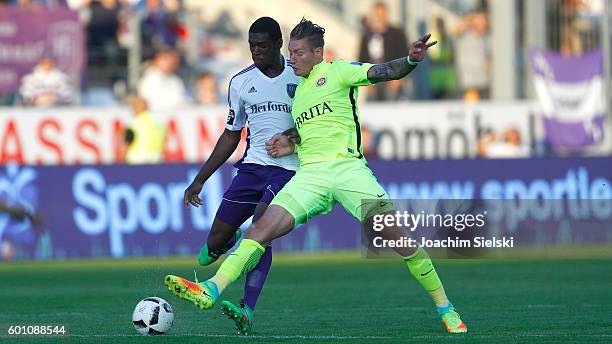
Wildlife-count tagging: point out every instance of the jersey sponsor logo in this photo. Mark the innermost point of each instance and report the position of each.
(291, 90)
(315, 111)
(269, 106)
(322, 80)
(231, 117)
(252, 90)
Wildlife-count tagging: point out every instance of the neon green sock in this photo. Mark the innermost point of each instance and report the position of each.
(243, 260)
(422, 269)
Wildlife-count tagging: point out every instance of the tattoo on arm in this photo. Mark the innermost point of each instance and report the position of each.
(392, 70)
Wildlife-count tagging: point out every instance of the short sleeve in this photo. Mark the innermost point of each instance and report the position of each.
(353, 73)
(236, 118)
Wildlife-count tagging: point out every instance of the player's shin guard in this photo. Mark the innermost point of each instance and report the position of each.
(243, 260)
(422, 269)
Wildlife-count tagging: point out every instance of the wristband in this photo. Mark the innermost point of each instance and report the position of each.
(410, 62)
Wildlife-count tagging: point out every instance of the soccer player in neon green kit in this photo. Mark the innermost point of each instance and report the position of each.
(332, 167)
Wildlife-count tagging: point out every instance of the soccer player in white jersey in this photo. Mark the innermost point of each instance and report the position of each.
(260, 95)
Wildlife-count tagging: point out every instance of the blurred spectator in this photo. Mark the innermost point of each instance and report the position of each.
(102, 28)
(160, 25)
(46, 85)
(207, 92)
(224, 26)
(505, 146)
(443, 74)
(10, 238)
(473, 56)
(144, 139)
(579, 23)
(159, 86)
(381, 42)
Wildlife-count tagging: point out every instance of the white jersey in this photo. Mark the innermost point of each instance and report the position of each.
(265, 103)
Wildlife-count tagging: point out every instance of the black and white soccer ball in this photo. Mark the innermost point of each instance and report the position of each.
(152, 316)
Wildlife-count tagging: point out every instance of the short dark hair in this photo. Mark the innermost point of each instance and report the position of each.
(309, 30)
(267, 25)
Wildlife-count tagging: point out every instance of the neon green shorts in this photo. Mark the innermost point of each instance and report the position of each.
(316, 188)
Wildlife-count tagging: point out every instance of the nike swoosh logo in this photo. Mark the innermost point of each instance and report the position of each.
(427, 272)
(379, 196)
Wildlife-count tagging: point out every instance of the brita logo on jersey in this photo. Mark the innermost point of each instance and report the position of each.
(317, 110)
(269, 106)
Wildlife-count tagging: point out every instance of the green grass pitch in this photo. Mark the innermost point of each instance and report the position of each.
(329, 298)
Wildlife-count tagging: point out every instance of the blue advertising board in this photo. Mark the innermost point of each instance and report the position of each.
(120, 210)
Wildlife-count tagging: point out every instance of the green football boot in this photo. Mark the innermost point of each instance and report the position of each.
(207, 257)
(451, 320)
(241, 315)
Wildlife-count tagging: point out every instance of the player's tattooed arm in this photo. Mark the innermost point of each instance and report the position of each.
(399, 68)
(392, 70)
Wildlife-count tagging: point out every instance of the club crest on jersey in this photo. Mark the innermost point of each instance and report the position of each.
(322, 80)
(291, 90)
(231, 117)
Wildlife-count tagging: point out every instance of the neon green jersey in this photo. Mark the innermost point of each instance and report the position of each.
(325, 112)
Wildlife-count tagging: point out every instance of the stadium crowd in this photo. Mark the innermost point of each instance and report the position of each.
(184, 58)
(460, 67)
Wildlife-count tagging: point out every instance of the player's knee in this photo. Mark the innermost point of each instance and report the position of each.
(260, 231)
(254, 230)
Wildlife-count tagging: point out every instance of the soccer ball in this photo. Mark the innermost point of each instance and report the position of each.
(152, 316)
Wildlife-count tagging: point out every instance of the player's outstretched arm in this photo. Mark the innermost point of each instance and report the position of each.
(399, 68)
(225, 147)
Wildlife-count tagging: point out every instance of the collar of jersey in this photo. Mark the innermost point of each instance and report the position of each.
(315, 67)
(271, 80)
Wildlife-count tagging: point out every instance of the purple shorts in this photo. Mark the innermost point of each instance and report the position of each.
(252, 185)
